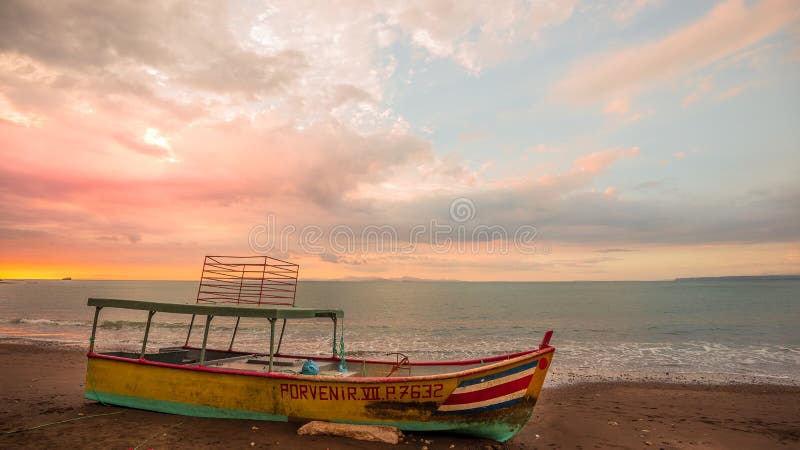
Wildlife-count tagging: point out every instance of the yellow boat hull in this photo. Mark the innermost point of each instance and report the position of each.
(493, 401)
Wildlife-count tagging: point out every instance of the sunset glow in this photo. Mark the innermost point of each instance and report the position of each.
(512, 140)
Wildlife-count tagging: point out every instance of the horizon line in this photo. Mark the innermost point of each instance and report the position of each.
(430, 280)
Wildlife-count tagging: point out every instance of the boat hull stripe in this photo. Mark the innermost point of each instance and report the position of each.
(492, 383)
(497, 375)
(480, 409)
(490, 393)
(484, 403)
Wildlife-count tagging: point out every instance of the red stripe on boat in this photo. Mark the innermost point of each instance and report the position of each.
(489, 393)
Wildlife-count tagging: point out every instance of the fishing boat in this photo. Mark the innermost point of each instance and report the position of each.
(491, 397)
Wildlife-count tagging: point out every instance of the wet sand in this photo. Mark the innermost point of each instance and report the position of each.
(43, 384)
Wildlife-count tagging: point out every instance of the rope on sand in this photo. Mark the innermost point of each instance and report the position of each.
(62, 421)
(153, 436)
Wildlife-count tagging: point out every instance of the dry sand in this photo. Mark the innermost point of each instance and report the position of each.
(43, 384)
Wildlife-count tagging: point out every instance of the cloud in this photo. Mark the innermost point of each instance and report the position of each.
(347, 93)
(510, 204)
(545, 148)
(477, 35)
(734, 91)
(729, 27)
(231, 175)
(113, 38)
(179, 62)
(595, 162)
(619, 107)
(329, 257)
(473, 136)
(628, 9)
(586, 167)
(140, 145)
(611, 190)
(661, 186)
(595, 218)
(10, 114)
(337, 169)
(169, 129)
(206, 107)
(703, 86)
(566, 209)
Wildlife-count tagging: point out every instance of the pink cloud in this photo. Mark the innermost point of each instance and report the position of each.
(618, 107)
(726, 29)
(9, 113)
(586, 167)
(595, 162)
(734, 91)
(81, 176)
(703, 86)
(633, 118)
(545, 148)
(628, 9)
(137, 144)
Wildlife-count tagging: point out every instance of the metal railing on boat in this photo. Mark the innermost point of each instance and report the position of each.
(233, 286)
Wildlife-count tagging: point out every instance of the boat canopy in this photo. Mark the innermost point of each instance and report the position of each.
(234, 286)
(221, 310)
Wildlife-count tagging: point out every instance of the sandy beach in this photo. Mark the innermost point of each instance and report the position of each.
(43, 384)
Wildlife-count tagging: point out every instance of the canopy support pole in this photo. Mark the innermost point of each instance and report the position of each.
(334, 335)
(235, 327)
(150, 315)
(205, 340)
(94, 328)
(271, 342)
(191, 324)
(280, 340)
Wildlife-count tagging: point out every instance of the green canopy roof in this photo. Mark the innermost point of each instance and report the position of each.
(210, 309)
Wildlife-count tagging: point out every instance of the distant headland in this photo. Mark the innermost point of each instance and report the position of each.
(743, 278)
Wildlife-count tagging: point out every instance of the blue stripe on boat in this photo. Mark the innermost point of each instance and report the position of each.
(483, 408)
(497, 375)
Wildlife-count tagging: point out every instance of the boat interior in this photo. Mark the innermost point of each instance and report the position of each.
(292, 364)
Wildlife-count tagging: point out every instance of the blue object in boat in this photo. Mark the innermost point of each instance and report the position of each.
(310, 368)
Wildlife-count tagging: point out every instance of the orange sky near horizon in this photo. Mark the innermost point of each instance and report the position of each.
(561, 264)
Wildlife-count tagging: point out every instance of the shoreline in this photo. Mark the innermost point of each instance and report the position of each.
(43, 384)
(556, 377)
(567, 377)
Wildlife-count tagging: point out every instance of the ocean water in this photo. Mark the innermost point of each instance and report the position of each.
(747, 328)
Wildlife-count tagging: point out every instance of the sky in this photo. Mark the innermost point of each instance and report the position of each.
(504, 140)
